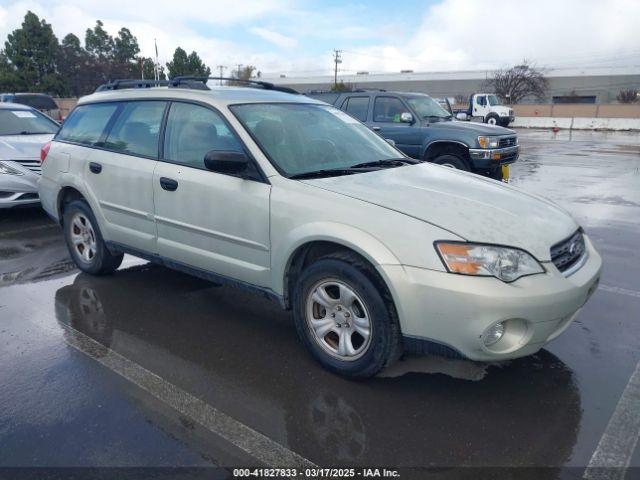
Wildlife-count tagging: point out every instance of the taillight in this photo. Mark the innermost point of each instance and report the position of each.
(44, 151)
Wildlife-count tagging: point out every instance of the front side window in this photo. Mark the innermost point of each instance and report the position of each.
(302, 138)
(357, 107)
(87, 123)
(137, 129)
(388, 109)
(25, 122)
(481, 100)
(426, 107)
(493, 100)
(192, 131)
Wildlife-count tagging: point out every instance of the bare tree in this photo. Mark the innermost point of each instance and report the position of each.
(518, 82)
(629, 95)
(461, 99)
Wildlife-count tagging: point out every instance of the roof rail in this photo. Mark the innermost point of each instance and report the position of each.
(177, 81)
(197, 83)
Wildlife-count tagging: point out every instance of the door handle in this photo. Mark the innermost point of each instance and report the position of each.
(375, 129)
(168, 184)
(95, 167)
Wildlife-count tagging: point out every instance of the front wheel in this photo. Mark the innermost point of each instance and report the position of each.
(85, 242)
(492, 119)
(345, 317)
(451, 161)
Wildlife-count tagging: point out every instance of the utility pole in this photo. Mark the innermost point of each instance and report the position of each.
(239, 65)
(221, 68)
(336, 61)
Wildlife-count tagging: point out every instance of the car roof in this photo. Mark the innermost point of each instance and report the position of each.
(14, 106)
(216, 95)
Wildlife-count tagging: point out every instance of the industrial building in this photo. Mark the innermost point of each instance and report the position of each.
(566, 85)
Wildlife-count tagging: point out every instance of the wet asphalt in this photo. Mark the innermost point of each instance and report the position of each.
(239, 354)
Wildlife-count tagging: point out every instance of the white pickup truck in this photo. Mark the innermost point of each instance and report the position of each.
(487, 108)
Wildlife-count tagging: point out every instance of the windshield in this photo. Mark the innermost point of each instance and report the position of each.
(426, 107)
(493, 100)
(25, 122)
(303, 138)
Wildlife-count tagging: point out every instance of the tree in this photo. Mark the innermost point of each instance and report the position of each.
(125, 50)
(630, 95)
(10, 81)
(73, 63)
(31, 52)
(98, 42)
(518, 82)
(183, 64)
(341, 87)
(148, 69)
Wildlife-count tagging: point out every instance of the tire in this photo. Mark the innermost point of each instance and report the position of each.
(342, 290)
(451, 161)
(84, 240)
(492, 119)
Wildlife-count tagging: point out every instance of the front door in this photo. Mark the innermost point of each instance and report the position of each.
(208, 220)
(386, 121)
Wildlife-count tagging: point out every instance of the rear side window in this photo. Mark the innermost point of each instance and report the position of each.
(87, 123)
(357, 107)
(388, 109)
(192, 131)
(41, 102)
(137, 129)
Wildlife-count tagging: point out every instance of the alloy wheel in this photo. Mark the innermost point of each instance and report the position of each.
(83, 237)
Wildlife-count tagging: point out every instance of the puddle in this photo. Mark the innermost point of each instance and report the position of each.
(456, 368)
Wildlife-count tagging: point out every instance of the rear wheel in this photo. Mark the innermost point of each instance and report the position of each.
(345, 318)
(85, 242)
(451, 161)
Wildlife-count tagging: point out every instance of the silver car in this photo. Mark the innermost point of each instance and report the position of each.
(23, 132)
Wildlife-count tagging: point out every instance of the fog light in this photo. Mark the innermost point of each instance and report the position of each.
(494, 334)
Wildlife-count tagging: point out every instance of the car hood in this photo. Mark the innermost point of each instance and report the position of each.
(22, 146)
(472, 207)
(471, 127)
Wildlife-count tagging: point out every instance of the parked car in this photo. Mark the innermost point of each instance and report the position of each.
(40, 101)
(289, 197)
(23, 132)
(422, 129)
(487, 108)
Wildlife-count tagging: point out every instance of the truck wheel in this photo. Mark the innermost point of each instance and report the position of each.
(492, 119)
(85, 242)
(345, 318)
(451, 161)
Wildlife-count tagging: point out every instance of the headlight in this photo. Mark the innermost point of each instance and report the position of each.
(503, 114)
(488, 142)
(504, 263)
(7, 170)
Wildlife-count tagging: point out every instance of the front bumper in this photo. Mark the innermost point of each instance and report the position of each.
(19, 190)
(490, 158)
(456, 310)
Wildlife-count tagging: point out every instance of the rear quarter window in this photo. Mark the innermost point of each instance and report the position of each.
(86, 123)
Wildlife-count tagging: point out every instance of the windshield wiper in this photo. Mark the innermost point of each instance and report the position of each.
(429, 117)
(390, 162)
(330, 172)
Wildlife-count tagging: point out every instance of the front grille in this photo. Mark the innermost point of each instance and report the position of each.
(567, 253)
(6, 194)
(508, 142)
(32, 164)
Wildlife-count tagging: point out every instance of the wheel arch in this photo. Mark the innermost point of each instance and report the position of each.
(441, 147)
(305, 249)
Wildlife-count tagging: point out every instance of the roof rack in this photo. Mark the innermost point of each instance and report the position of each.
(197, 83)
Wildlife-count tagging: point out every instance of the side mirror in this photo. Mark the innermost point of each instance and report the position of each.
(461, 116)
(390, 142)
(223, 161)
(406, 117)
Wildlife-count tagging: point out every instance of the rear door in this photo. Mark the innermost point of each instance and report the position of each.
(208, 220)
(119, 172)
(386, 121)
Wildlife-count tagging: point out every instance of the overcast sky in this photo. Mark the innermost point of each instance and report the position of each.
(297, 37)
